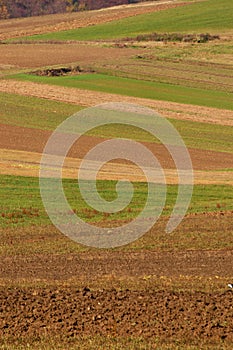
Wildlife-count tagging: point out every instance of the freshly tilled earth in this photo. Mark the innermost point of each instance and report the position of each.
(73, 312)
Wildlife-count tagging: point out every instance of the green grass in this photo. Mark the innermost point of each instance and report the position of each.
(25, 228)
(45, 114)
(22, 204)
(33, 112)
(211, 15)
(137, 88)
(195, 135)
(205, 136)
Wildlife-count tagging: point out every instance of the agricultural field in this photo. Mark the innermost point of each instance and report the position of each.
(161, 291)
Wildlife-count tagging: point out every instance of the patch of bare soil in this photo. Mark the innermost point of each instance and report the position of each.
(40, 55)
(78, 312)
(94, 265)
(92, 98)
(34, 140)
(14, 28)
(58, 304)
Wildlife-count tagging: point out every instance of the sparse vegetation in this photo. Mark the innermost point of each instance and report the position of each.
(58, 72)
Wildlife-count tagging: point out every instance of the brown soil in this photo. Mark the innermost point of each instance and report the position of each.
(92, 98)
(34, 140)
(39, 55)
(86, 293)
(78, 312)
(110, 309)
(92, 266)
(14, 28)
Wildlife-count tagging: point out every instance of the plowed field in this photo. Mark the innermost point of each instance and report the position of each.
(71, 312)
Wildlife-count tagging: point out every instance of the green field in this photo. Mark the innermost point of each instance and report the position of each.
(195, 135)
(26, 229)
(138, 88)
(33, 112)
(45, 114)
(190, 66)
(23, 204)
(212, 15)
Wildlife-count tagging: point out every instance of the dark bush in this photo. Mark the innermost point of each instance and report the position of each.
(200, 38)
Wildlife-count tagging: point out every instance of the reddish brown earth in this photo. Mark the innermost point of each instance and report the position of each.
(74, 312)
(34, 140)
(39, 55)
(86, 294)
(68, 306)
(91, 266)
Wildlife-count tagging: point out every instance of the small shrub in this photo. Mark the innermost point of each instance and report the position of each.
(176, 37)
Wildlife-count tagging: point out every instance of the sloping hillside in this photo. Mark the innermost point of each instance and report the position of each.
(27, 8)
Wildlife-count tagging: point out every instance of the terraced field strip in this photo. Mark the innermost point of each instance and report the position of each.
(88, 98)
(137, 88)
(96, 265)
(28, 163)
(27, 234)
(34, 140)
(186, 73)
(23, 163)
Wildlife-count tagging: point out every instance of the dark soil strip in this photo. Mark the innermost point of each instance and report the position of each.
(34, 140)
(93, 265)
(79, 312)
